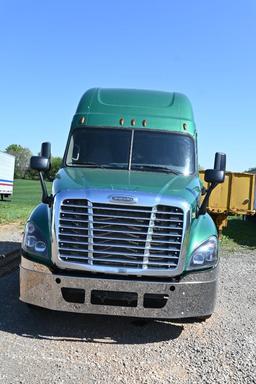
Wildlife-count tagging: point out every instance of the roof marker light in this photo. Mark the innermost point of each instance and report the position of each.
(185, 126)
(82, 120)
(133, 122)
(121, 121)
(144, 123)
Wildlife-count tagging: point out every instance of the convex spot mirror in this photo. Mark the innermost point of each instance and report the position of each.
(217, 175)
(220, 161)
(46, 150)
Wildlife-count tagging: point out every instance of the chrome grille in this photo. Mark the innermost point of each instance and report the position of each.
(114, 235)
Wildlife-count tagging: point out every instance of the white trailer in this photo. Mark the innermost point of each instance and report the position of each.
(7, 163)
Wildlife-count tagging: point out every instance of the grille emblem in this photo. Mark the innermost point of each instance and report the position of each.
(123, 199)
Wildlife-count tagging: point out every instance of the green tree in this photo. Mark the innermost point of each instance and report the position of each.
(55, 166)
(22, 158)
(251, 170)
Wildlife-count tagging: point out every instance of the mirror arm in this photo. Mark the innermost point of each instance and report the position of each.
(47, 199)
(203, 208)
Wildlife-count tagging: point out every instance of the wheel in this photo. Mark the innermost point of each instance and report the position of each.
(201, 319)
(195, 319)
(35, 307)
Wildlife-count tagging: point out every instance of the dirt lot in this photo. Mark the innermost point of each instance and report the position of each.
(11, 232)
(44, 346)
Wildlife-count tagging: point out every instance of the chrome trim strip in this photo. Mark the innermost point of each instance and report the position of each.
(119, 223)
(149, 238)
(97, 257)
(112, 208)
(117, 238)
(120, 261)
(90, 233)
(148, 246)
(118, 217)
(130, 232)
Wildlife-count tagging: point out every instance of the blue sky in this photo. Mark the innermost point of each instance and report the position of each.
(52, 51)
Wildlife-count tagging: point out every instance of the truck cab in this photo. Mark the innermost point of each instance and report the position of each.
(124, 231)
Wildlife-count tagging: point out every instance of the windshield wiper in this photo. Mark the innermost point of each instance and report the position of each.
(91, 164)
(87, 164)
(158, 168)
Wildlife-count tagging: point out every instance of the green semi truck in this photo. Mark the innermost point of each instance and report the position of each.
(123, 231)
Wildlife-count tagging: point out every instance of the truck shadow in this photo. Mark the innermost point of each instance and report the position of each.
(9, 256)
(8, 246)
(17, 318)
(241, 232)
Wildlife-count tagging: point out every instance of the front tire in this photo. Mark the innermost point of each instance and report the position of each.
(202, 319)
(33, 307)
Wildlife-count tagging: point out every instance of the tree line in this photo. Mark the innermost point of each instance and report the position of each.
(22, 159)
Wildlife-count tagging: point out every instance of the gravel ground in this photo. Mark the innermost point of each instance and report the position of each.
(10, 239)
(54, 347)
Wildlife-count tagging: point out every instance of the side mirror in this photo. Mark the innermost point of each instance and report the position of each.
(39, 163)
(43, 164)
(214, 176)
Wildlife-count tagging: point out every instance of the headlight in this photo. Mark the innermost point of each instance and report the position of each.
(33, 241)
(205, 256)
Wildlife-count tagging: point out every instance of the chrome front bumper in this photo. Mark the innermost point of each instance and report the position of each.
(194, 295)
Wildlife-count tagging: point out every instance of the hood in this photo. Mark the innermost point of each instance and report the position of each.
(158, 183)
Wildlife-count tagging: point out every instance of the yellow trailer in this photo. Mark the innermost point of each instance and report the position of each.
(234, 196)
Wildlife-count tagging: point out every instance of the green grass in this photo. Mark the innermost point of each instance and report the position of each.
(26, 195)
(239, 233)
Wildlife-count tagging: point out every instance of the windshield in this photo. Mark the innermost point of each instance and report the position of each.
(132, 149)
